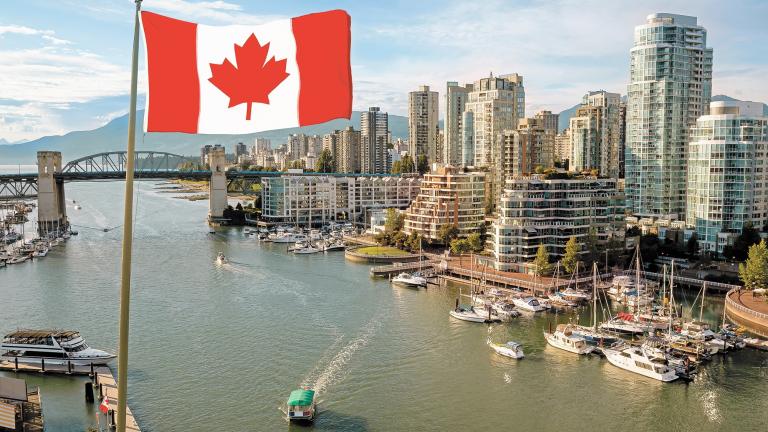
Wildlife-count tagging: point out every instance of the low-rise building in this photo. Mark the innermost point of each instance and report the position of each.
(447, 196)
(549, 210)
(309, 199)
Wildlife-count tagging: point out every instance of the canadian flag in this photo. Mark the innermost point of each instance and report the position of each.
(246, 78)
(104, 405)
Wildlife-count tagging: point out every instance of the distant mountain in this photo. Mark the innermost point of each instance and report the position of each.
(565, 116)
(112, 137)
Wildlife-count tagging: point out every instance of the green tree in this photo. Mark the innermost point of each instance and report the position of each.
(460, 246)
(398, 239)
(482, 230)
(571, 257)
(447, 232)
(422, 164)
(754, 272)
(414, 242)
(693, 246)
(406, 165)
(543, 267)
(748, 237)
(393, 221)
(539, 169)
(475, 244)
(397, 167)
(325, 163)
(592, 246)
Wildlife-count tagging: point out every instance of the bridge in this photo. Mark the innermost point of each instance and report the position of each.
(47, 185)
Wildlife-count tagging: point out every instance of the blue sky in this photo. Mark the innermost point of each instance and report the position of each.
(64, 65)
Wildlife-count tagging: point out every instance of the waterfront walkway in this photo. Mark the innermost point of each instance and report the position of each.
(747, 310)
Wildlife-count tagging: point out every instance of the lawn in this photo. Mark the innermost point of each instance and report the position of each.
(381, 251)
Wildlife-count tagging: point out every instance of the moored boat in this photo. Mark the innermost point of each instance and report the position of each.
(409, 279)
(564, 338)
(55, 346)
(510, 349)
(634, 359)
(530, 304)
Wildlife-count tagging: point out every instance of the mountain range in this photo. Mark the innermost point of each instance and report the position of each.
(112, 136)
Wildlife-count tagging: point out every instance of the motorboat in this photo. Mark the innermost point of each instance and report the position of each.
(54, 346)
(556, 299)
(635, 359)
(302, 405)
(510, 349)
(565, 339)
(574, 295)
(306, 249)
(529, 303)
(410, 279)
(595, 338)
(78, 207)
(40, 251)
(486, 310)
(221, 259)
(467, 313)
(288, 237)
(18, 258)
(505, 310)
(337, 245)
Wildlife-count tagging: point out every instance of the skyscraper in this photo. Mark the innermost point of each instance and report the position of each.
(422, 124)
(548, 120)
(529, 146)
(374, 137)
(496, 104)
(349, 150)
(455, 103)
(727, 168)
(670, 87)
(595, 131)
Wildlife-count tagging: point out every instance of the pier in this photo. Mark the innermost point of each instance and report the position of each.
(747, 310)
(105, 384)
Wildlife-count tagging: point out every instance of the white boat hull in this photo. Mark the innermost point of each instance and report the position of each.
(464, 316)
(506, 351)
(74, 361)
(555, 342)
(628, 364)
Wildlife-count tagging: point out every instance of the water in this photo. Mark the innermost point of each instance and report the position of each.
(220, 347)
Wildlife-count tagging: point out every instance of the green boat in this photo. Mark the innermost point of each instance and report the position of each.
(302, 405)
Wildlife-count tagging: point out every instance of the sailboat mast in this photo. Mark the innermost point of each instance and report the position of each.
(671, 296)
(594, 297)
(637, 280)
(703, 295)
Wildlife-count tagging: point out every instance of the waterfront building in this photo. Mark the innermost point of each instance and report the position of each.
(595, 131)
(349, 146)
(422, 123)
(317, 199)
(670, 87)
(622, 138)
(549, 209)
(531, 145)
(496, 104)
(727, 173)
(374, 137)
(447, 196)
(455, 103)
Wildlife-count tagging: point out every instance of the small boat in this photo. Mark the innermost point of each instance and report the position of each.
(505, 310)
(334, 246)
(574, 295)
(55, 346)
(510, 349)
(17, 259)
(302, 405)
(306, 249)
(78, 207)
(221, 259)
(530, 304)
(409, 279)
(40, 252)
(558, 300)
(635, 359)
(467, 313)
(2, 263)
(565, 339)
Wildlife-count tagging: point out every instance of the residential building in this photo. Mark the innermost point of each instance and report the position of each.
(455, 101)
(318, 199)
(296, 146)
(206, 150)
(331, 143)
(496, 104)
(422, 123)
(549, 210)
(240, 150)
(563, 148)
(728, 173)
(374, 137)
(468, 139)
(548, 120)
(314, 145)
(447, 196)
(595, 131)
(349, 146)
(529, 146)
(670, 87)
(262, 145)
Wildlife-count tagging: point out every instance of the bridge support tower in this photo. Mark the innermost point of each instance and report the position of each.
(217, 188)
(51, 204)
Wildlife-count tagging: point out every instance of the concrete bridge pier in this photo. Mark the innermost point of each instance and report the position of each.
(217, 188)
(51, 204)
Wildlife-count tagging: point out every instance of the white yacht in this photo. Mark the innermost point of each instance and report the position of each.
(55, 346)
(530, 304)
(564, 338)
(635, 359)
(467, 313)
(574, 295)
(221, 259)
(288, 237)
(410, 279)
(510, 349)
(306, 249)
(505, 310)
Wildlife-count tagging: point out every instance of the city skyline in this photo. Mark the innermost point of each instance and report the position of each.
(44, 93)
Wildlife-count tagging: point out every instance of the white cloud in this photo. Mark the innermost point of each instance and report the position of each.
(30, 120)
(217, 11)
(47, 35)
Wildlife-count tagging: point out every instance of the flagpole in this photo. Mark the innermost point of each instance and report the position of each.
(125, 267)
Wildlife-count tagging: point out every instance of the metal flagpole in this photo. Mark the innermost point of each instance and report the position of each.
(125, 267)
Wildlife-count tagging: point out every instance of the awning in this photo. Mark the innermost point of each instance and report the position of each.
(13, 389)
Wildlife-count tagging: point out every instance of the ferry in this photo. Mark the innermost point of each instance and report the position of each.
(302, 405)
(55, 346)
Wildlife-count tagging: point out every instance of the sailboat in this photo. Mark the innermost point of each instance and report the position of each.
(627, 323)
(591, 334)
(415, 279)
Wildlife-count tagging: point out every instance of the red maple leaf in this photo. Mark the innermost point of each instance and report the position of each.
(252, 80)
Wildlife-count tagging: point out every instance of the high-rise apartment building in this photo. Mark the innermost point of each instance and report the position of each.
(422, 123)
(563, 146)
(455, 103)
(727, 173)
(496, 104)
(529, 146)
(548, 120)
(595, 131)
(331, 143)
(240, 150)
(374, 135)
(670, 87)
(349, 146)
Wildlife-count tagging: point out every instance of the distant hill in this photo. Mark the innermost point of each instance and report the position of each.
(112, 136)
(565, 115)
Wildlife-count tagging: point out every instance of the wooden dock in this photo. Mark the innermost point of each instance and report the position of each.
(104, 383)
(397, 268)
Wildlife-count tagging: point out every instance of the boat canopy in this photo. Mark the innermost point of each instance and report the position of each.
(301, 398)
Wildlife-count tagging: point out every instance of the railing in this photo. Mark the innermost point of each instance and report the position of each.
(691, 281)
(742, 308)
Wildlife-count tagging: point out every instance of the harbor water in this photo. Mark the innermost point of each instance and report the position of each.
(220, 347)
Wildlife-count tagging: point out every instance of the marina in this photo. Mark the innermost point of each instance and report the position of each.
(399, 344)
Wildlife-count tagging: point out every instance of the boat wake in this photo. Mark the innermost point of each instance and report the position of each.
(336, 369)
